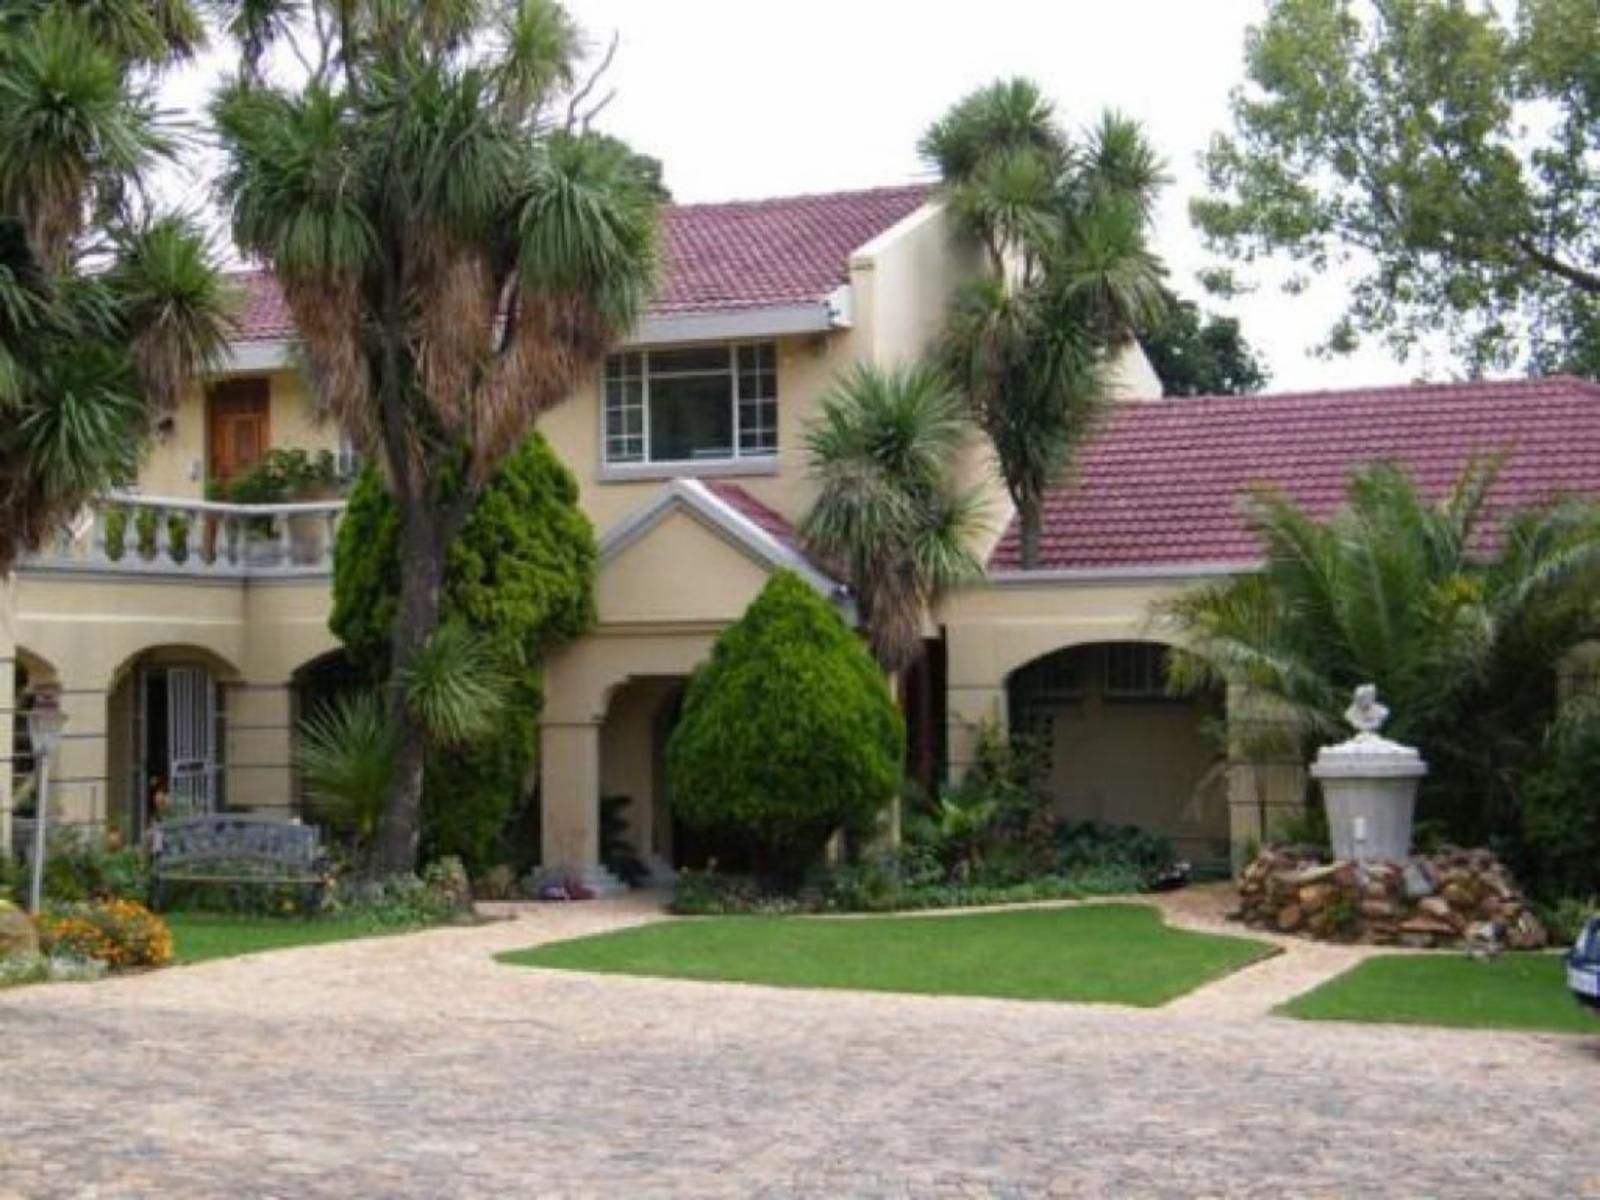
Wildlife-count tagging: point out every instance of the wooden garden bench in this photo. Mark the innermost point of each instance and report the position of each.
(238, 849)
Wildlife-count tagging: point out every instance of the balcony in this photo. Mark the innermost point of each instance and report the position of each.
(161, 535)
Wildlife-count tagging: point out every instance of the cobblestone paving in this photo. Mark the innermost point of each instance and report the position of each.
(417, 1066)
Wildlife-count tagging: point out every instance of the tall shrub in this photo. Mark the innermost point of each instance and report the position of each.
(1558, 836)
(521, 576)
(788, 734)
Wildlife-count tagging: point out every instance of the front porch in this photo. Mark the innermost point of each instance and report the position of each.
(672, 577)
(173, 631)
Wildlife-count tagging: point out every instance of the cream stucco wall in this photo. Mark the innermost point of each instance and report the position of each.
(900, 288)
(91, 629)
(1144, 763)
(177, 463)
(1131, 375)
(661, 600)
(993, 628)
(681, 571)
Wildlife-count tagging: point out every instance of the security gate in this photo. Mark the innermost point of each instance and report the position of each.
(191, 746)
(176, 766)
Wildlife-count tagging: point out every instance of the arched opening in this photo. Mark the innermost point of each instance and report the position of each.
(635, 804)
(29, 671)
(313, 688)
(166, 728)
(1123, 750)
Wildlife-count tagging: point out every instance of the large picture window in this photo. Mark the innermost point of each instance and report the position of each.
(694, 405)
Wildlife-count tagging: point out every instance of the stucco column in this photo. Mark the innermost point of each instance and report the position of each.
(80, 774)
(975, 691)
(968, 709)
(569, 797)
(1266, 781)
(258, 758)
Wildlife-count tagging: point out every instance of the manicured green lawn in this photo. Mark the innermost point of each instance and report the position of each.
(197, 937)
(1111, 953)
(1515, 991)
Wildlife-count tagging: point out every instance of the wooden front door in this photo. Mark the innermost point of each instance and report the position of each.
(238, 426)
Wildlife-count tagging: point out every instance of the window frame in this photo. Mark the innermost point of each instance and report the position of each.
(740, 462)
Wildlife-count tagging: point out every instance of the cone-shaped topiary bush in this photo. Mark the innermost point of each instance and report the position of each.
(788, 734)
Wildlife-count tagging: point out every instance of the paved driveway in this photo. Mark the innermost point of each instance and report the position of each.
(416, 1066)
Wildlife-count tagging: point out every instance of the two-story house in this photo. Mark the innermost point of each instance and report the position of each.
(185, 633)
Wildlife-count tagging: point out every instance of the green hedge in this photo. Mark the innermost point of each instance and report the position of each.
(522, 574)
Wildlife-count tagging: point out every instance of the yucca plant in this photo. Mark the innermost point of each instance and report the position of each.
(889, 515)
(456, 246)
(456, 686)
(107, 306)
(345, 753)
(1461, 624)
(1064, 224)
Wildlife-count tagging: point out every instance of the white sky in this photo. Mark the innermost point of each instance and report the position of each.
(744, 98)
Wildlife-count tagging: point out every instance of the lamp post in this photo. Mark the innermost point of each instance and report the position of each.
(45, 722)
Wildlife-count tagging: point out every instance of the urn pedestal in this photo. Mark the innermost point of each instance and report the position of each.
(1369, 787)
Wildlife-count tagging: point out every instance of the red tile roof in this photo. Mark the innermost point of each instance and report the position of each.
(1162, 483)
(716, 257)
(262, 312)
(770, 521)
(764, 253)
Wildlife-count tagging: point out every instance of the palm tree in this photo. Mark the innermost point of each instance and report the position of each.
(1070, 277)
(888, 514)
(106, 306)
(1461, 628)
(456, 248)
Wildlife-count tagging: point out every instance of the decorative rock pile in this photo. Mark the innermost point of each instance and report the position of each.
(1455, 897)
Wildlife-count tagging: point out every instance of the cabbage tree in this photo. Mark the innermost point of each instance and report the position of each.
(456, 246)
(1063, 224)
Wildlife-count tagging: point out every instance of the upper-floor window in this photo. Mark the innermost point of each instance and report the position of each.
(698, 404)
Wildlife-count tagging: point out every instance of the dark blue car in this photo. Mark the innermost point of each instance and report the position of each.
(1583, 965)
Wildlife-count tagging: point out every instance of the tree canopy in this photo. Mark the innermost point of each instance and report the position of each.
(108, 305)
(1462, 630)
(521, 571)
(1201, 354)
(1063, 221)
(889, 516)
(1439, 152)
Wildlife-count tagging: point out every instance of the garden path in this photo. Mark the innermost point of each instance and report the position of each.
(1254, 992)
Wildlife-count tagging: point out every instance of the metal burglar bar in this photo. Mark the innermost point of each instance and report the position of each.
(191, 723)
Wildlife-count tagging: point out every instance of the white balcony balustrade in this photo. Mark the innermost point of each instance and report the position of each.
(172, 536)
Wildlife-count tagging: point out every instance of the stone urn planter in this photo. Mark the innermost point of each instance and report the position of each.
(1369, 787)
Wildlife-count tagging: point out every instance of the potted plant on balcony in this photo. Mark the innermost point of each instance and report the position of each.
(285, 476)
